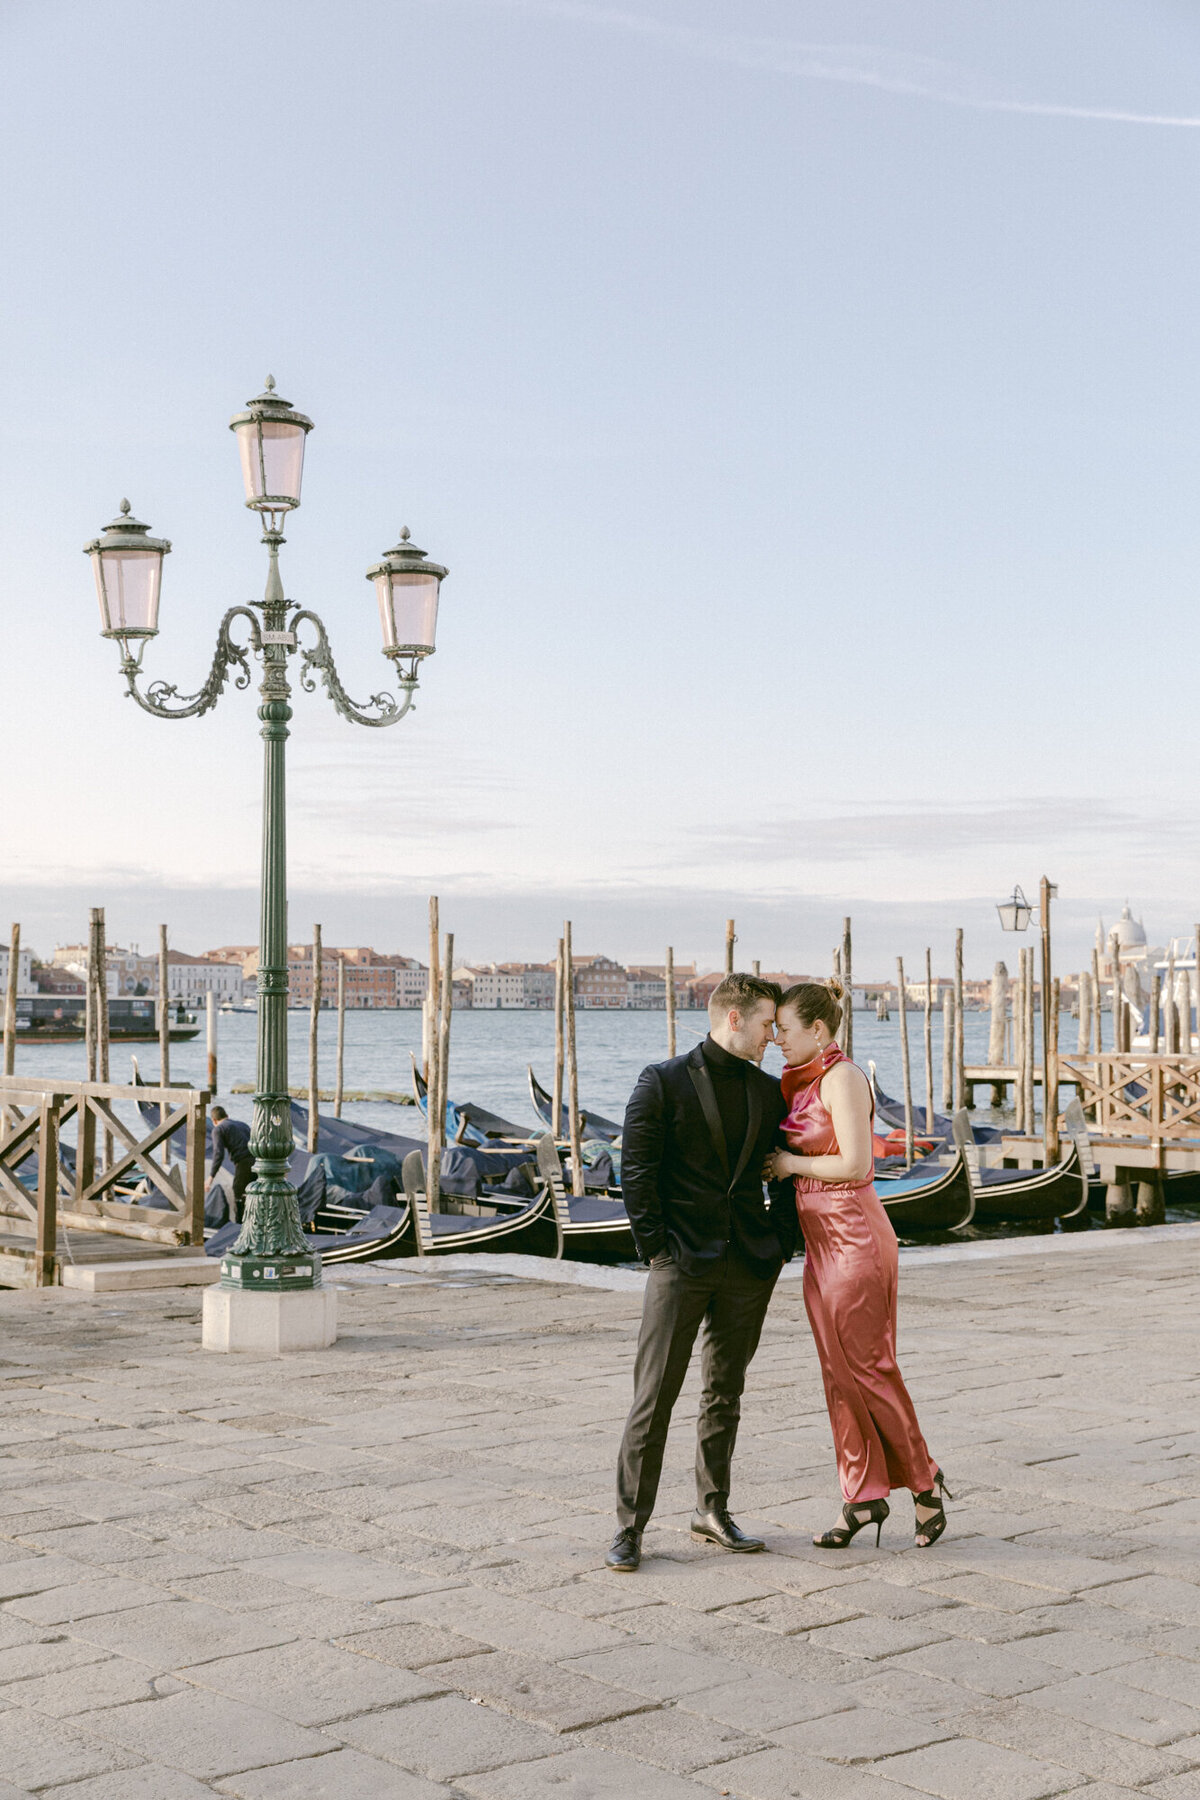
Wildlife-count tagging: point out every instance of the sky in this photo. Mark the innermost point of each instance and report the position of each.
(803, 395)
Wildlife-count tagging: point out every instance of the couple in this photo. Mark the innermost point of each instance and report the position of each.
(703, 1132)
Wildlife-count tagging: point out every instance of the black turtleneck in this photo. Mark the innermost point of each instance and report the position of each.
(729, 1084)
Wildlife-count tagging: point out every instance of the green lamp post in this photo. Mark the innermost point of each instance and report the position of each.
(270, 1254)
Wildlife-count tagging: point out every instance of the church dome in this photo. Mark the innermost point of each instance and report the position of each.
(1131, 933)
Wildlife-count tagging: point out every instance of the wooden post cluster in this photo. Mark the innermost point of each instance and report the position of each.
(573, 1063)
(314, 1020)
(340, 1071)
(905, 1065)
(669, 974)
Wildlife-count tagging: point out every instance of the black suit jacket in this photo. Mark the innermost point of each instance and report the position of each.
(680, 1179)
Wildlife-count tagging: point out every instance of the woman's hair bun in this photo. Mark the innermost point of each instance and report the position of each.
(835, 987)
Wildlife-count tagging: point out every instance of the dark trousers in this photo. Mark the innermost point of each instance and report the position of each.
(243, 1175)
(732, 1303)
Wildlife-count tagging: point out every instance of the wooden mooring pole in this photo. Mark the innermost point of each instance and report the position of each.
(340, 1070)
(164, 1033)
(1097, 1002)
(996, 1029)
(929, 1042)
(847, 1032)
(669, 976)
(1018, 1019)
(210, 1039)
(10, 1015)
(1155, 1021)
(904, 1063)
(314, 1020)
(1049, 1037)
(1084, 1040)
(433, 994)
(572, 1065)
(560, 1041)
(948, 1049)
(960, 1089)
(1030, 1042)
(730, 941)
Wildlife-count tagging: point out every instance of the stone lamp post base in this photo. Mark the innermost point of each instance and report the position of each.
(271, 1324)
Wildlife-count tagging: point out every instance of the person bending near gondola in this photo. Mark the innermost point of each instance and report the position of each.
(231, 1137)
(850, 1271)
(696, 1131)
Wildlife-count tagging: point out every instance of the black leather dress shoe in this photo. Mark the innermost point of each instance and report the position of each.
(716, 1527)
(625, 1552)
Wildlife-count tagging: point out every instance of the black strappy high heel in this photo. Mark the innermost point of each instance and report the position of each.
(932, 1528)
(875, 1511)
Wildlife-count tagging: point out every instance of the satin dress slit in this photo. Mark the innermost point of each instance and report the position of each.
(851, 1269)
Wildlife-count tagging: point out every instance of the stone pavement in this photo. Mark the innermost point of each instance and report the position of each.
(374, 1573)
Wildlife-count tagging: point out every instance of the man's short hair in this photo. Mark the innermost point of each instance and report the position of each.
(217, 1112)
(742, 993)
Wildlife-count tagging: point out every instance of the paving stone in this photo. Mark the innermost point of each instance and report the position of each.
(790, 1613)
(341, 1775)
(81, 1689)
(145, 1782)
(510, 1622)
(204, 1734)
(1081, 1651)
(596, 1774)
(236, 1590)
(556, 1697)
(718, 1580)
(176, 1633)
(859, 1735)
(1110, 1703)
(996, 1669)
(410, 1646)
(782, 1774)
(342, 1575)
(968, 1770)
(1169, 1676)
(32, 1575)
(659, 1671)
(1176, 1787)
(1086, 1749)
(765, 1701)
(21, 1661)
(873, 1637)
(60, 1605)
(51, 1753)
(671, 1739)
(310, 1683)
(446, 1738)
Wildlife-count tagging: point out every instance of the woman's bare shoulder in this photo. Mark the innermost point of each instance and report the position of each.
(846, 1078)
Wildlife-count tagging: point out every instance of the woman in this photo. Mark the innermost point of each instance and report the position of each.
(850, 1271)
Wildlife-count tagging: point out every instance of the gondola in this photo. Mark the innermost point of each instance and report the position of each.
(595, 1227)
(591, 1124)
(928, 1200)
(890, 1112)
(467, 1123)
(1026, 1196)
(532, 1228)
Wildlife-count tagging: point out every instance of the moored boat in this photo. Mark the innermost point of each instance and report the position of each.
(591, 1124)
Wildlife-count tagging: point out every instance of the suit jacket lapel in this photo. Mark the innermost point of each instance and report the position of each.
(753, 1121)
(702, 1082)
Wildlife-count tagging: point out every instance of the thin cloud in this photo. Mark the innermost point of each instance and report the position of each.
(856, 65)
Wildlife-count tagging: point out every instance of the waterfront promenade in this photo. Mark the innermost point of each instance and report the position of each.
(375, 1573)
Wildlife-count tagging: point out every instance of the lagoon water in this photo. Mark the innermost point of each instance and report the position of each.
(489, 1053)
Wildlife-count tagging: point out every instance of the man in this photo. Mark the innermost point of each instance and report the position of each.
(697, 1130)
(230, 1137)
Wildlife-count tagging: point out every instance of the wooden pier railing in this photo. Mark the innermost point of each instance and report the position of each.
(1154, 1099)
(45, 1184)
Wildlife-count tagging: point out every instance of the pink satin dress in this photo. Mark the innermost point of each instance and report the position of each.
(851, 1267)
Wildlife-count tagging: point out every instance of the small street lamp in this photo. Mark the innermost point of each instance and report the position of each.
(1015, 915)
(270, 1255)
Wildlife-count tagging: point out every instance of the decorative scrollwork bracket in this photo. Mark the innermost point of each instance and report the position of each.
(380, 709)
(159, 696)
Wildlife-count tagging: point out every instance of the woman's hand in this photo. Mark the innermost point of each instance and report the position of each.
(779, 1164)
